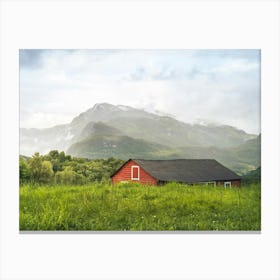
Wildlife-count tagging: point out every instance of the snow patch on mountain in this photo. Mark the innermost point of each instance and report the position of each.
(124, 108)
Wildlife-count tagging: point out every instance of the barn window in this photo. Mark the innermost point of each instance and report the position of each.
(227, 185)
(135, 173)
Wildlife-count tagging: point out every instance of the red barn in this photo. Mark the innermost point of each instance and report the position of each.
(189, 171)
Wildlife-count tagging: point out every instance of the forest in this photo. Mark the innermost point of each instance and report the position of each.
(58, 168)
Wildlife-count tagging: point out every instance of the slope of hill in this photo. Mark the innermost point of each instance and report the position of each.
(241, 159)
(117, 146)
(168, 131)
(250, 151)
(253, 176)
(97, 128)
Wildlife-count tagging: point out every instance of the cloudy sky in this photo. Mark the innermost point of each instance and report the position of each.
(213, 86)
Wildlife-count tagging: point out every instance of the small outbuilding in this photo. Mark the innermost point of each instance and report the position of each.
(189, 171)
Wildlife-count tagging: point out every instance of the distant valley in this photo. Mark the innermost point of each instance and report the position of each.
(124, 132)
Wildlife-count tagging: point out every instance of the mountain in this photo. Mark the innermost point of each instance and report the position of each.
(253, 176)
(241, 159)
(118, 146)
(134, 123)
(104, 112)
(61, 137)
(98, 128)
(160, 129)
(169, 131)
(121, 131)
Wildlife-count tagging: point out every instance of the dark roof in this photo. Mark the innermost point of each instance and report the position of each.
(187, 170)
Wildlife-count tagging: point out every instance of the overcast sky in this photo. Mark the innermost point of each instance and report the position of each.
(213, 86)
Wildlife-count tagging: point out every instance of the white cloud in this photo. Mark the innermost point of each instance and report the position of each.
(238, 65)
(216, 86)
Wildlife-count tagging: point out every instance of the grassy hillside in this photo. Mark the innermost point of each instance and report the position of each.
(241, 159)
(253, 176)
(169, 131)
(117, 146)
(133, 207)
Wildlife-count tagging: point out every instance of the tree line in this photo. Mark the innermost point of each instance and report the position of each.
(58, 168)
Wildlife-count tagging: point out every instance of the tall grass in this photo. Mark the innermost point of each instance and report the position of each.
(133, 207)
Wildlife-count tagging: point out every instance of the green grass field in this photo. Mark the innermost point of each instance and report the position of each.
(135, 208)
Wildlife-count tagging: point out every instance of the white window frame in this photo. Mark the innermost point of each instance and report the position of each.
(132, 167)
(227, 184)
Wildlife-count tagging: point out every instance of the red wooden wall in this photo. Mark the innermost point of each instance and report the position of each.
(124, 174)
(235, 183)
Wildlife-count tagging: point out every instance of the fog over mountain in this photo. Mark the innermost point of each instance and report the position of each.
(121, 131)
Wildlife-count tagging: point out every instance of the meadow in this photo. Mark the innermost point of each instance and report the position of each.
(132, 207)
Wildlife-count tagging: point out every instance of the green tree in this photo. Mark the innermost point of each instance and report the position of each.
(24, 172)
(46, 172)
(35, 165)
(56, 160)
(62, 156)
(41, 170)
(54, 154)
(68, 176)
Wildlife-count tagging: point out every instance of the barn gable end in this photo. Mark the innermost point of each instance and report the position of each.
(125, 174)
